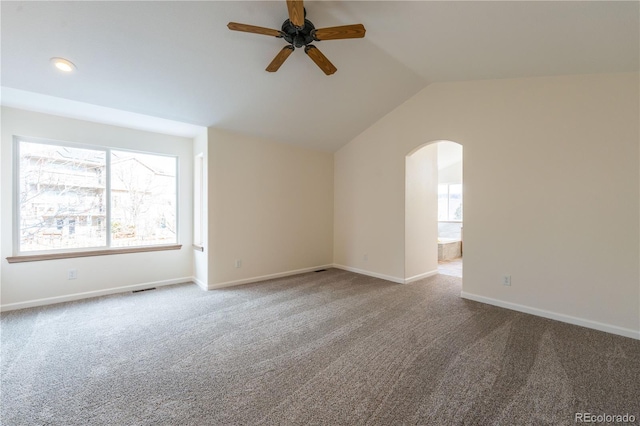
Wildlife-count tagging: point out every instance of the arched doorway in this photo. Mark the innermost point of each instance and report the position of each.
(433, 210)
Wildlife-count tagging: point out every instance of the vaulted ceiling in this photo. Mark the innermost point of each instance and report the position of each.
(177, 60)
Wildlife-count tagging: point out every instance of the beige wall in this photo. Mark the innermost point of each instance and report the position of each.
(369, 205)
(270, 206)
(551, 192)
(46, 281)
(421, 213)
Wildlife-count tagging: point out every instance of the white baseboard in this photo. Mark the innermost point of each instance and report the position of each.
(200, 283)
(621, 331)
(421, 276)
(89, 294)
(264, 277)
(387, 277)
(370, 274)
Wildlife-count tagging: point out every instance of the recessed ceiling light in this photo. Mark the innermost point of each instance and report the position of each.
(63, 64)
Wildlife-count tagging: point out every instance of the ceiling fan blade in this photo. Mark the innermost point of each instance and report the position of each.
(296, 12)
(337, 33)
(280, 58)
(253, 29)
(321, 61)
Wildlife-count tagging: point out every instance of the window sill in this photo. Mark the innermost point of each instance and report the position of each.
(69, 255)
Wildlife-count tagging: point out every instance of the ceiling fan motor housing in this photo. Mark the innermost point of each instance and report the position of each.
(298, 36)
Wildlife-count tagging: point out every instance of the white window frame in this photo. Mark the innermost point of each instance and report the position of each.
(26, 256)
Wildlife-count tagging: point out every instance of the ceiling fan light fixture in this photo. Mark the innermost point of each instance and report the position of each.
(299, 32)
(63, 65)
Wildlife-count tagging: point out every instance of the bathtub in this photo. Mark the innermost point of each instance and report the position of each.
(449, 248)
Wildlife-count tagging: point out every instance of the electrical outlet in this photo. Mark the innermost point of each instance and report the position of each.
(365, 257)
(72, 274)
(238, 263)
(506, 280)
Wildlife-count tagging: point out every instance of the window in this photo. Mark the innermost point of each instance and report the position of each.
(143, 199)
(450, 202)
(72, 197)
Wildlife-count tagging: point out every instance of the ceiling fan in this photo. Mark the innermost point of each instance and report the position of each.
(298, 32)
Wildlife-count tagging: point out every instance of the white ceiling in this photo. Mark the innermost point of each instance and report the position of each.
(178, 61)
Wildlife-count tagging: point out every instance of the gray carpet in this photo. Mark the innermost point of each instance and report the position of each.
(332, 348)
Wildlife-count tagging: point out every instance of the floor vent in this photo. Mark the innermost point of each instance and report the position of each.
(320, 270)
(144, 289)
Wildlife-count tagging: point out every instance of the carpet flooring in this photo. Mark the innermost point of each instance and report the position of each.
(326, 348)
